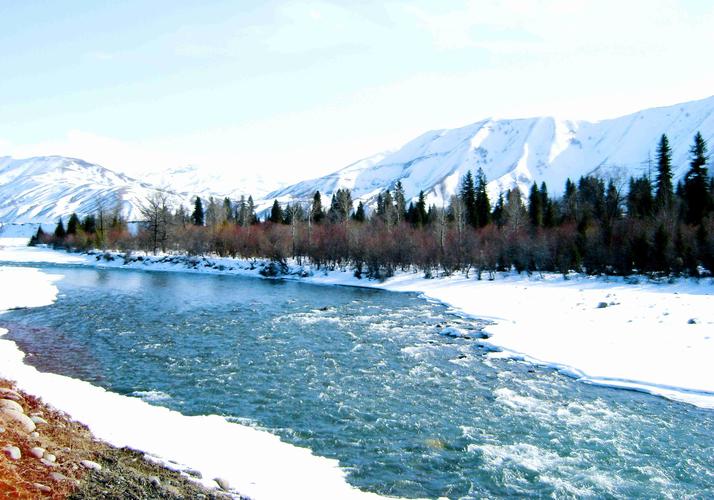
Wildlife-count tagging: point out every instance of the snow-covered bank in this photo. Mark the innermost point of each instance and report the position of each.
(633, 334)
(255, 463)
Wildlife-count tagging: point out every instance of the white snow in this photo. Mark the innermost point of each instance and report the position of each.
(515, 152)
(642, 339)
(255, 462)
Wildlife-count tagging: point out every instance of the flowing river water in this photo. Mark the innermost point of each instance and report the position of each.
(363, 376)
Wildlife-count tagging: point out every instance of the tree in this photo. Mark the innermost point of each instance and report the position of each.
(276, 213)
(60, 233)
(359, 215)
(483, 205)
(535, 206)
(640, 203)
(341, 205)
(156, 214)
(197, 217)
(317, 213)
(400, 202)
(468, 196)
(696, 183)
(420, 215)
(664, 194)
(228, 210)
(73, 224)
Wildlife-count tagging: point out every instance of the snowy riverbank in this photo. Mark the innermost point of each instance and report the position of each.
(255, 463)
(628, 333)
(631, 335)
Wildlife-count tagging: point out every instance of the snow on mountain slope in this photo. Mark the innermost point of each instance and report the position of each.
(192, 180)
(519, 151)
(42, 189)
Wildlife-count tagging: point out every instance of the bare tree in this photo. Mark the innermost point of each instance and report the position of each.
(156, 215)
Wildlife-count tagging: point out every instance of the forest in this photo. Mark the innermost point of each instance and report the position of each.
(611, 226)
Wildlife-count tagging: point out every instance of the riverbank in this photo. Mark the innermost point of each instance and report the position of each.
(630, 333)
(60, 458)
(248, 461)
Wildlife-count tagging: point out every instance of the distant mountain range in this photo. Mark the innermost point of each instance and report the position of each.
(512, 153)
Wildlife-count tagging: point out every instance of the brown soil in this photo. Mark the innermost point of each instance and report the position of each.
(125, 473)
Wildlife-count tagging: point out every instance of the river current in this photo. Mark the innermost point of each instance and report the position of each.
(364, 376)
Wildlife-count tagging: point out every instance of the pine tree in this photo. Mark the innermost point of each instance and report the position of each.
(549, 216)
(89, 224)
(197, 217)
(317, 213)
(72, 224)
(400, 202)
(228, 209)
(535, 206)
(640, 203)
(60, 233)
(664, 194)
(482, 203)
(276, 213)
(468, 196)
(696, 183)
(420, 214)
(252, 216)
(359, 215)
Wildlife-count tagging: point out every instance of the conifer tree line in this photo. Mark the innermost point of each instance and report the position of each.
(597, 226)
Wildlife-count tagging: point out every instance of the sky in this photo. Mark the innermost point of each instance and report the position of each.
(290, 90)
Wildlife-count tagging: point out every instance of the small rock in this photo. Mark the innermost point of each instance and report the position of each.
(20, 418)
(37, 452)
(2, 429)
(9, 404)
(38, 420)
(173, 490)
(154, 480)
(35, 435)
(692, 321)
(88, 464)
(10, 394)
(194, 473)
(223, 483)
(43, 488)
(58, 476)
(50, 457)
(602, 305)
(12, 452)
(47, 463)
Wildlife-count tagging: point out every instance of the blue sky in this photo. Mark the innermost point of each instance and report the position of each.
(297, 89)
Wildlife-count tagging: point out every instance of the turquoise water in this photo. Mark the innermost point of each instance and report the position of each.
(363, 376)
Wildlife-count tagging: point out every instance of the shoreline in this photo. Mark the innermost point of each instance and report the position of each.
(626, 333)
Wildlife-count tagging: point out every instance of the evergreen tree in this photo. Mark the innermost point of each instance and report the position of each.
(535, 206)
(60, 233)
(696, 183)
(341, 205)
(549, 216)
(468, 196)
(317, 213)
(420, 215)
(73, 224)
(570, 201)
(197, 217)
(640, 203)
(400, 202)
(228, 210)
(359, 214)
(498, 214)
(664, 194)
(252, 216)
(38, 237)
(89, 224)
(276, 213)
(482, 203)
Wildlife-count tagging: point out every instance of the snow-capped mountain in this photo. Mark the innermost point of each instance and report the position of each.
(517, 152)
(44, 188)
(191, 180)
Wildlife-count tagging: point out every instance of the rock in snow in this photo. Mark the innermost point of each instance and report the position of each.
(12, 452)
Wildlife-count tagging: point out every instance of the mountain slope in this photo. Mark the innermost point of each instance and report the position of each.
(42, 189)
(520, 151)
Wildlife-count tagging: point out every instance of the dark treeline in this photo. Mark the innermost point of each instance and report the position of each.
(597, 226)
